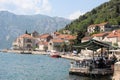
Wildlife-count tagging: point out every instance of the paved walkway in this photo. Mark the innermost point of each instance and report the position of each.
(66, 56)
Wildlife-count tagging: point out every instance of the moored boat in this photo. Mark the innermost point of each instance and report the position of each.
(25, 52)
(55, 54)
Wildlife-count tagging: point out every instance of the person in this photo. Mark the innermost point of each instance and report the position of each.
(101, 63)
(74, 51)
(72, 64)
(114, 59)
(91, 67)
(77, 63)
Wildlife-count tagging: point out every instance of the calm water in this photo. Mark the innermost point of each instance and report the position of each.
(36, 67)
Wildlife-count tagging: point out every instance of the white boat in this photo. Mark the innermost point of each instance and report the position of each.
(55, 54)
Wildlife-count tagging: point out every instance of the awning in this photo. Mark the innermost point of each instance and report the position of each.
(94, 45)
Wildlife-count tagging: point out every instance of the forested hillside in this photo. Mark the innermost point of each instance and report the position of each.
(107, 12)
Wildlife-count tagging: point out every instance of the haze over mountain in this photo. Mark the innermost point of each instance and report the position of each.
(12, 25)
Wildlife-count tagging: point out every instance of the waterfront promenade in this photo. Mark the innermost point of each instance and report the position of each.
(20, 51)
(66, 56)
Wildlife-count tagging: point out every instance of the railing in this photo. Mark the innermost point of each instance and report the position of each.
(87, 69)
(79, 64)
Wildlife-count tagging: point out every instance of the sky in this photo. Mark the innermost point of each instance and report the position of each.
(70, 9)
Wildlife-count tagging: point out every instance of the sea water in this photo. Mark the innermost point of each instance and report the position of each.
(36, 67)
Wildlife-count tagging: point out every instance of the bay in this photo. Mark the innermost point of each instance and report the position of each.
(36, 67)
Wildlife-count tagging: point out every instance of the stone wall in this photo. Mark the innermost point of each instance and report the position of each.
(116, 75)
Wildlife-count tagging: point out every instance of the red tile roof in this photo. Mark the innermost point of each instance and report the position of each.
(66, 36)
(26, 36)
(113, 34)
(43, 43)
(101, 24)
(87, 38)
(56, 33)
(57, 40)
(100, 34)
(118, 30)
(44, 36)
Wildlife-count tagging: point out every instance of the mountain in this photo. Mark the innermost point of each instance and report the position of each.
(12, 25)
(107, 12)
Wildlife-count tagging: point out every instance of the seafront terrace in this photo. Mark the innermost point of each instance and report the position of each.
(88, 67)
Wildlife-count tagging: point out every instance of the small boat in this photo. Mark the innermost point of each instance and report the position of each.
(55, 54)
(26, 52)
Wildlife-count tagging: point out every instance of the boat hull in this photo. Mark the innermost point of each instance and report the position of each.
(55, 56)
(25, 52)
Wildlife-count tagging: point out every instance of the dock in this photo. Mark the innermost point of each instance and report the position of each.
(87, 72)
(73, 57)
(88, 67)
(116, 75)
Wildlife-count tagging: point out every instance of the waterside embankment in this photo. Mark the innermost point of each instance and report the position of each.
(116, 75)
(66, 56)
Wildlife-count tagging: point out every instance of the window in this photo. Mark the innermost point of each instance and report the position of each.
(50, 43)
(29, 40)
(29, 46)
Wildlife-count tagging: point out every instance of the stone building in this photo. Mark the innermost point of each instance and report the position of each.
(24, 42)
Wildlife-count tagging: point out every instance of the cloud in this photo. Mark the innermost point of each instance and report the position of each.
(26, 6)
(75, 15)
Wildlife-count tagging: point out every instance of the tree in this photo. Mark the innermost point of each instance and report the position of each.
(45, 48)
(26, 32)
(80, 35)
(70, 45)
(115, 44)
(63, 46)
(94, 11)
(97, 29)
(117, 9)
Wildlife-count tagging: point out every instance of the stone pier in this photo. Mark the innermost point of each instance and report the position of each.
(116, 75)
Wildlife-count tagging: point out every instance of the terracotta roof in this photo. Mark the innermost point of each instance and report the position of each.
(66, 36)
(43, 43)
(86, 38)
(113, 34)
(26, 36)
(101, 24)
(118, 30)
(70, 37)
(44, 36)
(57, 33)
(100, 34)
(57, 40)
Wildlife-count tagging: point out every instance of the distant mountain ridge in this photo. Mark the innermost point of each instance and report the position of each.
(12, 25)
